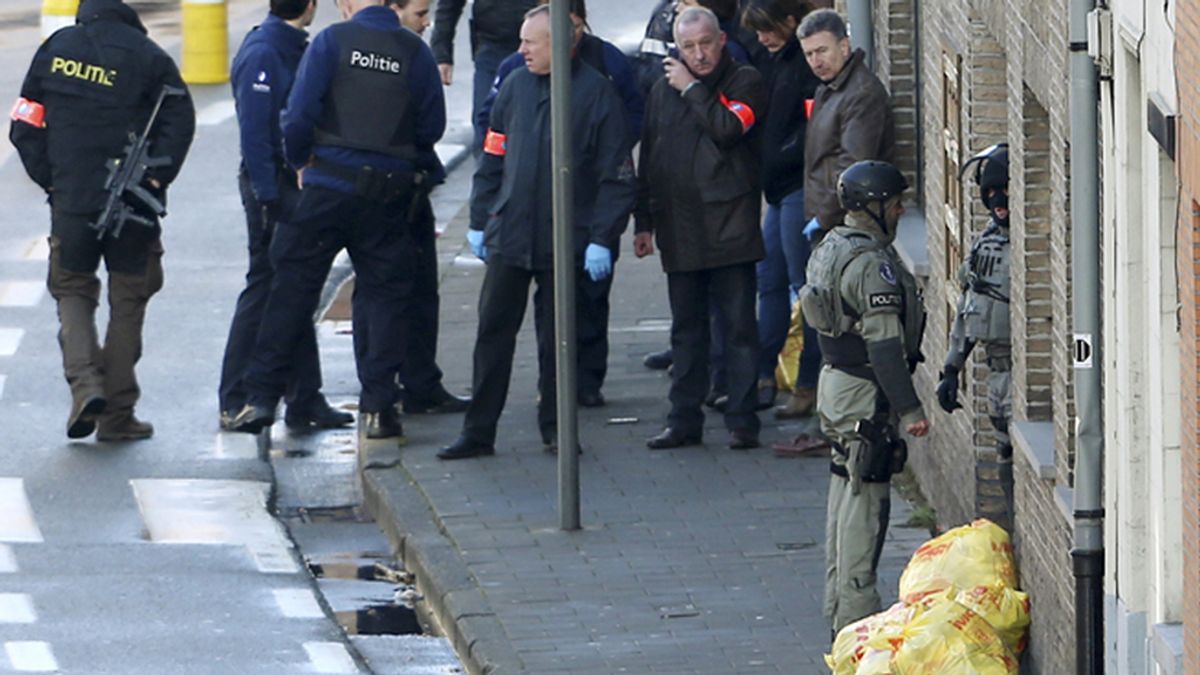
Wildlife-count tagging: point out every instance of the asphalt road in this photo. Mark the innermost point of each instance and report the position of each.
(161, 556)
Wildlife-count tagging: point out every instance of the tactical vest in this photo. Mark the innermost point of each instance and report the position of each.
(369, 105)
(985, 279)
(833, 318)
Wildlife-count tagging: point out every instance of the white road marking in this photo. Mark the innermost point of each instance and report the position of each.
(216, 113)
(8, 560)
(31, 657)
(330, 657)
(17, 523)
(234, 446)
(10, 340)
(232, 512)
(298, 603)
(38, 250)
(17, 608)
(2, 379)
(21, 293)
(446, 151)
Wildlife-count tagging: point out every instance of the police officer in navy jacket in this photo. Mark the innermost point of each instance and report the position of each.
(361, 122)
(262, 76)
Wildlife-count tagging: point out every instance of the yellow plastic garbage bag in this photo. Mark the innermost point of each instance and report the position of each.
(789, 357)
(851, 644)
(951, 638)
(979, 554)
(1005, 609)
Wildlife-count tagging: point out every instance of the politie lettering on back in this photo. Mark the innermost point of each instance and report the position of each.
(83, 71)
(369, 61)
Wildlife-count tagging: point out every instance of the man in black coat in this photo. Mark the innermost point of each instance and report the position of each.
(89, 87)
(698, 192)
(512, 222)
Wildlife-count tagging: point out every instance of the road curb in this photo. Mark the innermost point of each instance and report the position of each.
(451, 592)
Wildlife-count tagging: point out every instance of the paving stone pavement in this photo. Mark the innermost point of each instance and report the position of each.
(700, 560)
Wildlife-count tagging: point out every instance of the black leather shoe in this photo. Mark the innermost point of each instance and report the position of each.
(385, 424)
(742, 439)
(465, 448)
(658, 360)
(84, 412)
(253, 418)
(319, 415)
(672, 438)
(717, 401)
(766, 394)
(441, 402)
(591, 399)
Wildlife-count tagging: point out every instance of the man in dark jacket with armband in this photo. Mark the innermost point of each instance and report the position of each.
(868, 314)
(89, 88)
(262, 75)
(512, 223)
(361, 121)
(698, 192)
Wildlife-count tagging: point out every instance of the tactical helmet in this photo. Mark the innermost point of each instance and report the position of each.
(991, 167)
(869, 181)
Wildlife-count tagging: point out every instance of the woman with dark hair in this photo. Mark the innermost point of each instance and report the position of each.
(782, 272)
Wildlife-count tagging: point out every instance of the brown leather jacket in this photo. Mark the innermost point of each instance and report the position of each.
(851, 121)
(698, 170)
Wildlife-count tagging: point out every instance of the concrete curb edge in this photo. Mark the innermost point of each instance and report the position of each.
(450, 590)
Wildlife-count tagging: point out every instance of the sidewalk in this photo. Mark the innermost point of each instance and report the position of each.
(691, 560)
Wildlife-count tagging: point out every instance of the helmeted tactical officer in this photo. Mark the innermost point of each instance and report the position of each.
(982, 315)
(262, 75)
(90, 86)
(361, 120)
(867, 311)
(512, 223)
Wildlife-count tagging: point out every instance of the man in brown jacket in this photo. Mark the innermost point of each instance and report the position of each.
(698, 191)
(851, 117)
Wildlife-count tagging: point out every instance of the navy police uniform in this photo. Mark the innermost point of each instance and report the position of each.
(89, 87)
(262, 75)
(511, 204)
(361, 120)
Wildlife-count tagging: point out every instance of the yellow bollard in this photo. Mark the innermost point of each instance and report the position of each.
(205, 42)
(57, 14)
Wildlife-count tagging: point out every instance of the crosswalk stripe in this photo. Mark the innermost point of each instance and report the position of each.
(10, 340)
(297, 603)
(21, 293)
(330, 657)
(31, 657)
(17, 523)
(8, 560)
(17, 608)
(232, 512)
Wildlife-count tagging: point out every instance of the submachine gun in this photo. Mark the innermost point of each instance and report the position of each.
(126, 193)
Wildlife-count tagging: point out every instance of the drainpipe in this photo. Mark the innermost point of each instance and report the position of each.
(862, 28)
(1088, 553)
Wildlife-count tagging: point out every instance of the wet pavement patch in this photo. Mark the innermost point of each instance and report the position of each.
(368, 597)
(380, 620)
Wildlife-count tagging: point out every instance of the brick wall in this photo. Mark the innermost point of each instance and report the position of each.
(1187, 63)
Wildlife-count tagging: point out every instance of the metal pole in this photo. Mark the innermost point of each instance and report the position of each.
(862, 28)
(561, 36)
(1088, 553)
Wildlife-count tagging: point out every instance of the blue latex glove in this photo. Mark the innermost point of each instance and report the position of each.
(475, 239)
(811, 229)
(597, 260)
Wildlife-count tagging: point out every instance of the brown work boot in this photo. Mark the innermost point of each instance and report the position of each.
(801, 404)
(84, 411)
(125, 427)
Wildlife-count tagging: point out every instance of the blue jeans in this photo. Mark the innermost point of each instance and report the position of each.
(780, 275)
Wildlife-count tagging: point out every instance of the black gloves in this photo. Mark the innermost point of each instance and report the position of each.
(947, 391)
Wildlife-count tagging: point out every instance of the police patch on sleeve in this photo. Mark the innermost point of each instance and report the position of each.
(887, 273)
(881, 300)
(261, 85)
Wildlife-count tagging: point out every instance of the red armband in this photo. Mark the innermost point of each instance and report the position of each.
(743, 112)
(495, 143)
(808, 108)
(29, 112)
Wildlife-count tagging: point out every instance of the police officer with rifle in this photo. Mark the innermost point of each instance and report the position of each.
(867, 311)
(361, 122)
(103, 125)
